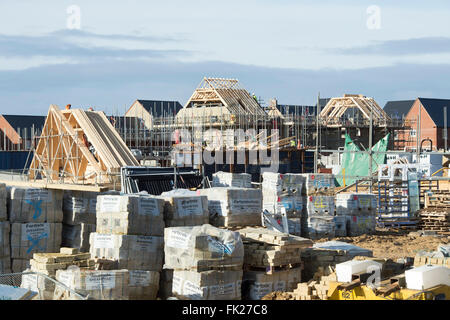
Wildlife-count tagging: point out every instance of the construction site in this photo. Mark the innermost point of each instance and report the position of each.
(227, 197)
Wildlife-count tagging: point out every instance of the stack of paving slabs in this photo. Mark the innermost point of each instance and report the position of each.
(272, 261)
(129, 232)
(317, 288)
(185, 208)
(226, 179)
(35, 216)
(48, 264)
(230, 207)
(5, 228)
(79, 218)
(93, 284)
(318, 221)
(435, 219)
(359, 210)
(206, 262)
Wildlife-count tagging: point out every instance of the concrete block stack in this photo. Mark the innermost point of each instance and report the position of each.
(359, 210)
(129, 231)
(272, 261)
(319, 220)
(206, 262)
(48, 264)
(36, 223)
(231, 207)
(79, 218)
(236, 180)
(284, 191)
(185, 208)
(5, 228)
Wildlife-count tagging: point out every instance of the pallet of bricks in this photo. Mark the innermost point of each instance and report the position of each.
(358, 213)
(206, 262)
(79, 218)
(233, 207)
(129, 236)
(45, 266)
(284, 192)
(5, 228)
(36, 223)
(440, 257)
(182, 208)
(272, 261)
(319, 221)
(436, 214)
(227, 179)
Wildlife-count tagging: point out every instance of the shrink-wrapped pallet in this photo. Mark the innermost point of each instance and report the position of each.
(320, 206)
(202, 248)
(143, 285)
(5, 229)
(130, 251)
(320, 227)
(340, 226)
(77, 236)
(207, 285)
(227, 179)
(34, 205)
(292, 204)
(185, 208)
(319, 184)
(165, 284)
(97, 285)
(356, 204)
(130, 214)
(234, 206)
(5, 265)
(3, 197)
(357, 225)
(257, 284)
(28, 238)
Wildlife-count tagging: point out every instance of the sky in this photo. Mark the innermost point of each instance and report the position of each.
(106, 54)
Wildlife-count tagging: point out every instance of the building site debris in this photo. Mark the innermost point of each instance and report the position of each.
(230, 207)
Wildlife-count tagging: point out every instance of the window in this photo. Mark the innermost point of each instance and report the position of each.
(412, 133)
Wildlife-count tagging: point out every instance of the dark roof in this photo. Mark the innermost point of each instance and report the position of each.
(23, 121)
(398, 109)
(131, 122)
(158, 108)
(435, 108)
(297, 109)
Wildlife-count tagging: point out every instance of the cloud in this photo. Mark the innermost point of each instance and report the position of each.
(64, 44)
(416, 46)
(113, 85)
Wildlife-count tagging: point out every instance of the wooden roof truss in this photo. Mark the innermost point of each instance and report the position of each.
(64, 152)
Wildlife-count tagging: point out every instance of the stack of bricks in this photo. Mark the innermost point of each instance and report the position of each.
(272, 261)
(48, 264)
(5, 248)
(36, 223)
(420, 260)
(317, 288)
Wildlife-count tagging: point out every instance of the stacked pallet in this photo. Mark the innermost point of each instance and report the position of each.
(318, 222)
(185, 208)
(48, 264)
(35, 216)
(5, 248)
(206, 262)
(284, 192)
(129, 232)
(229, 207)
(226, 179)
(272, 261)
(435, 219)
(359, 210)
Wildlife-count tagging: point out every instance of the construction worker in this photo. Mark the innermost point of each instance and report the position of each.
(91, 109)
(293, 144)
(254, 97)
(68, 106)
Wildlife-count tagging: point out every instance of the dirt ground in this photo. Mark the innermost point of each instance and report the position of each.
(394, 244)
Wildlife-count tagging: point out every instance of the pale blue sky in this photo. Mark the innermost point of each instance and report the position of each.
(286, 49)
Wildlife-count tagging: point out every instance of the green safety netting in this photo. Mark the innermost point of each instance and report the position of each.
(357, 164)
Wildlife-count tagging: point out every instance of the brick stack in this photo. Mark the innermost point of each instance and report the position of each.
(236, 180)
(185, 208)
(317, 288)
(231, 207)
(272, 261)
(129, 231)
(359, 210)
(35, 216)
(48, 264)
(206, 262)
(319, 220)
(284, 191)
(5, 228)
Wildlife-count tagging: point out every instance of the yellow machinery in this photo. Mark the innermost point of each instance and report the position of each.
(390, 291)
